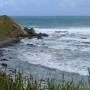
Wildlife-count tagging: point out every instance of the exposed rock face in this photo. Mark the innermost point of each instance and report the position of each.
(32, 33)
(8, 28)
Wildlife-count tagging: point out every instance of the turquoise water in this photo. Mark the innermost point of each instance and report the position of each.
(53, 21)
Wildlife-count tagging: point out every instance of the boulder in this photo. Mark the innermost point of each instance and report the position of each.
(4, 65)
(32, 33)
(43, 34)
(4, 59)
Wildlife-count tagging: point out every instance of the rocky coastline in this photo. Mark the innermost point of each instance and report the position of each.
(13, 32)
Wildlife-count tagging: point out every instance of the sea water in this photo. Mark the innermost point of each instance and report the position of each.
(66, 49)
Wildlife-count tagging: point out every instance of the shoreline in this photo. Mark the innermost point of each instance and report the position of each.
(41, 72)
(31, 33)
(37, 70)
(8, 42)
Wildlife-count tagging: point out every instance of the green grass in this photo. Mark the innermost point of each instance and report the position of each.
(4, 27)
(4, 31)
(8, 28)
(16, 81)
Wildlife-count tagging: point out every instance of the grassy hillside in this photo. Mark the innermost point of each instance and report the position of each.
(8, 28)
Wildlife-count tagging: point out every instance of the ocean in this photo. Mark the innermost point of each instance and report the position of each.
(53, 21)
(66, 49)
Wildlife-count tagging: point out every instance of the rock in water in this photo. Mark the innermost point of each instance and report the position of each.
(4, 65)
(32, 33)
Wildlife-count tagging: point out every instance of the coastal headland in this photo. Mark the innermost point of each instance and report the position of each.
(11, 32)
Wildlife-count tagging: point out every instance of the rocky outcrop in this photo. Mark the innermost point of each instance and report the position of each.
(32, 33)
(10, 29)
(10, 32)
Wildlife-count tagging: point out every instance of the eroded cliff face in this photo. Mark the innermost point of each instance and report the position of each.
(9, 28)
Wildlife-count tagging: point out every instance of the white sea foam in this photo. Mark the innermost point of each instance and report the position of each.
(78, 30)
(68, 52)
(46, 59)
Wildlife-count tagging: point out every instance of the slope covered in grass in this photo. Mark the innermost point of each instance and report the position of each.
(8, 28)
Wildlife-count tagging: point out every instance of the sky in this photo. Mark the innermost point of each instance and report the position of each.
(45, 7)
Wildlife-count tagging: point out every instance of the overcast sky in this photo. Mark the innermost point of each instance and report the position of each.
(45, 7)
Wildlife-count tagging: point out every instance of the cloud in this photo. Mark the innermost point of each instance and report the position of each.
(42, 6)
(73, 3)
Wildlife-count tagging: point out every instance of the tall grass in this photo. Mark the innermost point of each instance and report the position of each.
(16, 81)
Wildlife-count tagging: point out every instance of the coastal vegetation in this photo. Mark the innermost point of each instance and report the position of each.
(16, 81)
(8, 28)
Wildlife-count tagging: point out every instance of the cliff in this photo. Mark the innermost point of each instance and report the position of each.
(9, 28)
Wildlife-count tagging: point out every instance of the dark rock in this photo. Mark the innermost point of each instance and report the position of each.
(32, 33)
(39, 37)
(4, 65)
(3, 60)
(31, 45)
(43, 34)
